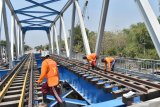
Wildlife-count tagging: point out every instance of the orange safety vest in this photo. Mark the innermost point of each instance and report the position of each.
(108, 61)
(49, 71)
(91, 57)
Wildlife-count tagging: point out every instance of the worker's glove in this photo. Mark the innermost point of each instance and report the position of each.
(39, 81)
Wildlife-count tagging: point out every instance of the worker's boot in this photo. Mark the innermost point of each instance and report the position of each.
(45, 100)
(63, 104)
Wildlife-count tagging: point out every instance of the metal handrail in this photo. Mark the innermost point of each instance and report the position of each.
(21, 101)
(5, 89)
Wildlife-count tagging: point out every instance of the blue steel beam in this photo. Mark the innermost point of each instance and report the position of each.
(40, 17)
(68, 100)
(38, 25)
(34, 21)
(17, 11)
(35, 17)
(44, 3)
(33, 24)
(35, 28)
(42, 22)
(41, 5)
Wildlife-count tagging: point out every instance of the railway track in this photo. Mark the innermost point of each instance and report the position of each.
(35, 89)
(142, 87)
(14, 90)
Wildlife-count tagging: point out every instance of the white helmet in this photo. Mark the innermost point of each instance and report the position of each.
(47, 53)
(44, 53)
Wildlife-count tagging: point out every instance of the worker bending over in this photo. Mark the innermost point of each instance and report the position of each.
(91, 59)
(110, 61)
(49, 70)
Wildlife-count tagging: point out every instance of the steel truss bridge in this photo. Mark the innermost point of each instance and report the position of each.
(80, 86)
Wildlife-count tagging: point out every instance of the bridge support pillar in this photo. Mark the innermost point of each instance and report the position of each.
(1, 13)
(49, 39)
(15, 38)
(104, 11)
(56, 39)
(151, 22)
(65, 36)
(60, 37)
(72, 31)
(18, 41)
(20, 36)
(83, 31)
(22, 41)
(7, 35)
(52, 41)
(12, 36)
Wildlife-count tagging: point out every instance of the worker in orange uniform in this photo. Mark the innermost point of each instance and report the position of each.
(40, 51)
(91, 58)
(110, 61)
(49, 70)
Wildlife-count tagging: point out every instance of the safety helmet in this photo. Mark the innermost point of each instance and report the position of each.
(44, 53)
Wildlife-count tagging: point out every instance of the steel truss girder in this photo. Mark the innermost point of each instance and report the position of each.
(42, 12)
(7, 34)
(36, 4)
(72, 30)
(102, 23)
(43, 3)
(35, 28)
(12, 35)
(65, 36)
(83, 30)
(56, 38)
(34, 21)
(40, 23)
(38, 18)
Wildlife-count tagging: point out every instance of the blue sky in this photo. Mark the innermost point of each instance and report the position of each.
(121, 14)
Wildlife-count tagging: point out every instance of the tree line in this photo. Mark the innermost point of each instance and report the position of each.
(4, 43)
(134, 42)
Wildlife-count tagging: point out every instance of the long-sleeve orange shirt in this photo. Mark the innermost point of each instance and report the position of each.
(49, 71)
(108, 61)
(91, 59)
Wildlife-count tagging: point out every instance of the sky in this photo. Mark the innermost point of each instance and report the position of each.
(121, 14)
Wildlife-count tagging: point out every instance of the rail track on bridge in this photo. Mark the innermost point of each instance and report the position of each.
(142, 87)
(20, 88)
(14, 88)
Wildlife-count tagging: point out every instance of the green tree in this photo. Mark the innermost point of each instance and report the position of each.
(78, 40)
(3, 43)
(26, 48)
(139, 42)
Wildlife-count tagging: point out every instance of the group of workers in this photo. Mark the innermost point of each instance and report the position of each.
(49, 70)
(92, 61)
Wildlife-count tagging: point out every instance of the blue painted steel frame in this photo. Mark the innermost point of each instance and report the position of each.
(31, 21)
(68, 100)
(35, 28)
(39, 4)
(44, 3)
(39, 16)
(17, 11)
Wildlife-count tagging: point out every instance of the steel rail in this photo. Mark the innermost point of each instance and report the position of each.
(5, 89)
(6, 79)
(21, 101)
(127, 84)
(30, 100)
